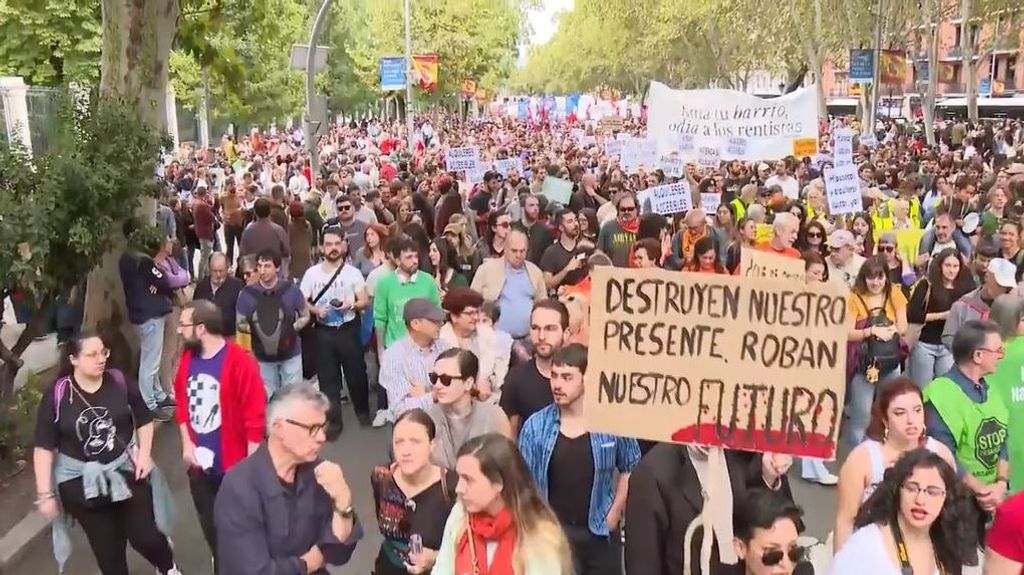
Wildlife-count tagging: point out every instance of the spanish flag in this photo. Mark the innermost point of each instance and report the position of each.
(424, 69)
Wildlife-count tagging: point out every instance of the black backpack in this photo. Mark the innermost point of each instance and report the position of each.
(884, 355)
(272, 326)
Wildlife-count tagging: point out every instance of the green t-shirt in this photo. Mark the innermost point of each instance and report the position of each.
(389, 302)
(1008, 383)
(979, 429)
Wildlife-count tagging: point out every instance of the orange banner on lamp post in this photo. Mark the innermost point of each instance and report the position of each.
(425, 69)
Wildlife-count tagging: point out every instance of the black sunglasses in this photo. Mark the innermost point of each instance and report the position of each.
(445, 380)
(772, 557)
(345, 208)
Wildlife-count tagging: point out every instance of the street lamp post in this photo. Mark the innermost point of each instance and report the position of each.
(308, 131)
(408, 80)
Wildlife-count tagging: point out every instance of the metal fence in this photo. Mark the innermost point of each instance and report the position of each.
(41, 104)
(3, 123)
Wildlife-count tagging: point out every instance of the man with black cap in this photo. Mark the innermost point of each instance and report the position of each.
(406, 363)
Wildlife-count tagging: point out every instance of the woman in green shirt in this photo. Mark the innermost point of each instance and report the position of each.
(1007, 312)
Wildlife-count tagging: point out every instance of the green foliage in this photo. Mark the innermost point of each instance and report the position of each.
(474, 38)
(244, 47)
(50, 42)
(17, 424)
(58, 210)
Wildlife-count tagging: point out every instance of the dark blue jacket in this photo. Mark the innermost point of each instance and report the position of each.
(138, 274)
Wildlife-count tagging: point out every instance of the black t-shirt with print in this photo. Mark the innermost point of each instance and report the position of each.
(91, 426)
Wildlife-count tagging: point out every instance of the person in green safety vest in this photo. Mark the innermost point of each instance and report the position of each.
(962, 414)
(1008, 380)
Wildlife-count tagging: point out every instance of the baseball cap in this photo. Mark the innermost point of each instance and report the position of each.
(841, 238)
(1004, 272)
(421, 308)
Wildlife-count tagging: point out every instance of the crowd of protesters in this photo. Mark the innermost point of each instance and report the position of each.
(452, 309)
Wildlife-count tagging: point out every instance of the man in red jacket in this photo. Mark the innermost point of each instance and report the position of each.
(221, 406)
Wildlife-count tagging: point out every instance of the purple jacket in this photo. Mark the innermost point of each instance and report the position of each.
(264, 527)
(177, 276)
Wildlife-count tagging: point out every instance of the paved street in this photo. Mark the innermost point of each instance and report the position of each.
(358, 451)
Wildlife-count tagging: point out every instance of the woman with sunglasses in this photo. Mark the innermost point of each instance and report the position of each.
(876, 322)
(413, 498)
(915, 522)
(900, 271)
(766, 529)
(457, 413)
(500, 525)
(812, 237)
(93, 428)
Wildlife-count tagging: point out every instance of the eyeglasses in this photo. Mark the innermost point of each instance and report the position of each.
(627, 209)
(104, 353)
(887, 249)
(772, 557)
(503, 225)
(814, 235)
(313, 429)
(914, 489)
(445, 379)
(345, 208)
(997, 351)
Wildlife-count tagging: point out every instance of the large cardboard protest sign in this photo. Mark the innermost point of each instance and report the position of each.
(759, 264)
(666, 200)
(717, 360)
(738, 125)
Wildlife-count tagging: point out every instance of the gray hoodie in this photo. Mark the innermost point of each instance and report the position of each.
(969, 306)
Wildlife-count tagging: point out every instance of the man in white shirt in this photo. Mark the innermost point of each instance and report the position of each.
(843, 262)
(790, 185)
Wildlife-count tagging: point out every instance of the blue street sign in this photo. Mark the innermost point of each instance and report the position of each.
(985, 87)
(862, 66)
(392, 73)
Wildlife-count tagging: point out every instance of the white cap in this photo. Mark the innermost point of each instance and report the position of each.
(1004, 272)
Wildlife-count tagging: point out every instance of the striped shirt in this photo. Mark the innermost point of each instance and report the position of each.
(404, 365)
(611, 453)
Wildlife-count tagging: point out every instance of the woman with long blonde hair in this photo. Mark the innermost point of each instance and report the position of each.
(500, 525)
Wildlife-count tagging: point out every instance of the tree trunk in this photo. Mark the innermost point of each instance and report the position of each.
(931, 10)
(970, 73)
(137, 38)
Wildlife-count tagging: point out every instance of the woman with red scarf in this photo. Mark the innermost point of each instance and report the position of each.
(500, 525)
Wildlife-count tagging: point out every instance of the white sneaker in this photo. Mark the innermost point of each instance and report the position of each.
(827, 479)
(382, 418)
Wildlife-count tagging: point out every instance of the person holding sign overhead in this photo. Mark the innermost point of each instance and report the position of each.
(665, 496)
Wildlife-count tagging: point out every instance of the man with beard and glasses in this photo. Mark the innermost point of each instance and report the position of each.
(563, 263)
(335, 292)
(221, 405)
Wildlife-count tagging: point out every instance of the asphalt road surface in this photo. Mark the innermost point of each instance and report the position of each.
(357, 451)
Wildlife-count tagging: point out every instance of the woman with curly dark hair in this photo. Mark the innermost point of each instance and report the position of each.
(919, 520)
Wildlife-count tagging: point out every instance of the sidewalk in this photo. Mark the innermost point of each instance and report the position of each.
(40, 356)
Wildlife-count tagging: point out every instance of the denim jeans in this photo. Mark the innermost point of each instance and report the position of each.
(858, 405)
(928, 361)
(205, 251)
(277, 374)
(151, 347)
